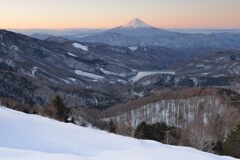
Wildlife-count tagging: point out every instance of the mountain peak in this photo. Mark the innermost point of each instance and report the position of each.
(136, 23)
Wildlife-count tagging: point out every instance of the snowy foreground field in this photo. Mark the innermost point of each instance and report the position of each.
(31, 137)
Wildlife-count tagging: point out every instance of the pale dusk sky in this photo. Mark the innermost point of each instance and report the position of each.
(59, 14)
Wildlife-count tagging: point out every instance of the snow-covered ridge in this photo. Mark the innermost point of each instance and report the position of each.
(80, 46)
(31, 137)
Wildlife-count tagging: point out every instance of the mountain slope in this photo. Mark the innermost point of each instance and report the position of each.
(31, 137)
(92, 74)
(206, 108)
(71, 69)
(221, 64)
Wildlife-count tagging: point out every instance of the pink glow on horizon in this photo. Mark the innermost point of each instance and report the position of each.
(61, 14)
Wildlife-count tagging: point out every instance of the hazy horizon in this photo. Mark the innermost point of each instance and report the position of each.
(72, 14)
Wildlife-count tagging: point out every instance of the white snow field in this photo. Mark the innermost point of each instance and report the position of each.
(31, 137)
(143, 74)
(80, 46)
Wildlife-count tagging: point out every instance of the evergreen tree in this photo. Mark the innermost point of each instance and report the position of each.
(159, 131)
(231, 146)
(140, 131)
(155, 131)
(112, 128)
(61, 110)
(218, 147)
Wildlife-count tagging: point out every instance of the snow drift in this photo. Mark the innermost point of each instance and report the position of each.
(31, 137)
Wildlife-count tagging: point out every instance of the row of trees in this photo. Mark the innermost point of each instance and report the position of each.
(159, 132)
(166, 94)
(169, 135)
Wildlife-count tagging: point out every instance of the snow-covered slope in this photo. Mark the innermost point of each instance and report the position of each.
(31, 137)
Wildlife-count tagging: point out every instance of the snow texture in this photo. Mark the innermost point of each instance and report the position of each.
(80, 46)
(89, 75)
(133, 48)
(71, 54)
(72, 79)
(143, 74)
(31, 137)
(136, 23)
(112, 73)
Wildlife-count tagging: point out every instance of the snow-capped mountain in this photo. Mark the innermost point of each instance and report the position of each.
(138, 33)
(32, 137)
(134, 33)
(136, 23)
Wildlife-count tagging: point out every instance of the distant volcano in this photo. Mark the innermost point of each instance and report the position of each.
(136, 23)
